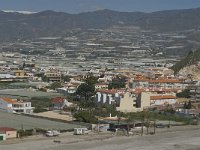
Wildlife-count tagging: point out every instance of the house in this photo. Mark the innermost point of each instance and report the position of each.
(14, 106)
(99, 86)
(68, 88)
(9, 132)
(19, 73)
(59, 103)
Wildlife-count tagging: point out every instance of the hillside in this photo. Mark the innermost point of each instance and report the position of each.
(189, 65)
(14, 25)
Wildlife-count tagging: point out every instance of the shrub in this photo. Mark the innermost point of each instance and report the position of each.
(84, 116)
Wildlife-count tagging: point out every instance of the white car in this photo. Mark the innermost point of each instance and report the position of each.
(51, 133)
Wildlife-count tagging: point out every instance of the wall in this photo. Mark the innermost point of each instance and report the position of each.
(127, 103)
(11, 134)
(4, 106)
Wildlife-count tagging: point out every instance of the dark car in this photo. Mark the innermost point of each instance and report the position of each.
(112, 129)
(160, 126)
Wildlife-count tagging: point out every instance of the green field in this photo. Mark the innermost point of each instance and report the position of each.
(17, 121)
(27, 93)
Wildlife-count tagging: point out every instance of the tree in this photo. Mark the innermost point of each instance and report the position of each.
(85, 116)
(184, 94)
(187, 105)
(130, 120)
(117, 82)
(86, 90)
(90, 79)
(65, 78)
(45, 79)
(55, 85)
(116, 85)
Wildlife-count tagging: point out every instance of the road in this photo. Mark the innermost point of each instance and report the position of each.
(175, 138)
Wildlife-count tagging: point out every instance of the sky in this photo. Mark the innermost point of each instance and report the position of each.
(77, 6)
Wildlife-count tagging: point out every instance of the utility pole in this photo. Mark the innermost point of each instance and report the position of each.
(98, 126)
(154, 126)
(142, 123)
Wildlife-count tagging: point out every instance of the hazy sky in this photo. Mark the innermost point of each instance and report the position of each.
(76, 6)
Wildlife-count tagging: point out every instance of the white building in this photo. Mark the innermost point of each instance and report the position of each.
(107, 96)
(14, 106)
(99, 86)
(124, 101)
(148, 99)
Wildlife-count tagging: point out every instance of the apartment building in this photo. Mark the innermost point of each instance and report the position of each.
(147, 99)
(125, 101)
(162, 83)
(53, 75)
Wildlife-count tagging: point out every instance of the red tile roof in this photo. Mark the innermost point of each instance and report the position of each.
(58, 100)
(158, 80)
(158, 97)
(8, 100)
(165, 81)
(112, 91)
(5, 129)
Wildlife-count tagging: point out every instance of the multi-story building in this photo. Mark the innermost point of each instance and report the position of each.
(147, 99)
(124, 101)
(53, 75)
(14, 106)
(107, 96)
(127, 103)
(159, 83)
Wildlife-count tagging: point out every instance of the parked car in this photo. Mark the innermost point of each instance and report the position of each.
(112, 129)
(160, 126)
(51, 133)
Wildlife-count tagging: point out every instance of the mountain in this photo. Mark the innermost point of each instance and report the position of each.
(14, 25)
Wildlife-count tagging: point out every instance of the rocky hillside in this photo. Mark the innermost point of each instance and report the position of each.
(189, 65)
(193, 70)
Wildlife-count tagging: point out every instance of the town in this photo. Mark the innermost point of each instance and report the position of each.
(105, 82)
(122, 80)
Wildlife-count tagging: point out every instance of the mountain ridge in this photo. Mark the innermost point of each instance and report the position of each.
(50, 23)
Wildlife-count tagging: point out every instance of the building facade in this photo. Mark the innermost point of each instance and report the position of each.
(14, 106)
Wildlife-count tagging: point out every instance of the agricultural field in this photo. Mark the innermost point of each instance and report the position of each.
(18, 85)
(26, 93)
(19, 121)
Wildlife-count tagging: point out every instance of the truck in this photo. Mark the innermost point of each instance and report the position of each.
(51, 133)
